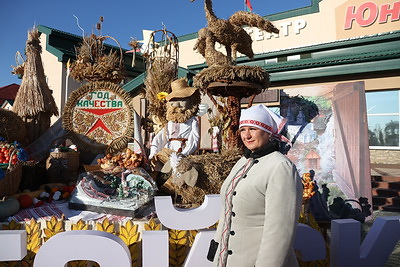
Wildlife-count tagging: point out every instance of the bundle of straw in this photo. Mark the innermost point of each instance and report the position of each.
(162, 69)
(251, 74)
(212, 171)
(34, 102)
(158, 80)
(93, 64)
(34, 95)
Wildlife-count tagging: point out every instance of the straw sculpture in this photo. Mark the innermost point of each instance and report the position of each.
(198, 175)
(162, 69)
(119, 121)
(222, 77)
(12, 127)
(212, 171)
(34, 102)
(158, 80)
(230, 33)
(234, 83)
(93, 64)
(251, 74)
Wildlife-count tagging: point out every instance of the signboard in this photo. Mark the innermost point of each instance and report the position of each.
(369, 13)
(99, 114)
(361, 17)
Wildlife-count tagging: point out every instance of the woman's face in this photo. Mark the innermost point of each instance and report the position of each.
(253, 138)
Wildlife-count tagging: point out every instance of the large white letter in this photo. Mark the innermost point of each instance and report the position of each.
(155, 249)
(299, 25)
(185, 219)
(375, 249)
(284, 28)
(104, 248)
(198, 253)
(188, 219)
(12, 245)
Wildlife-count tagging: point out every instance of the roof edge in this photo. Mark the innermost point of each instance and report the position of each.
(313, 8)
(48, 31)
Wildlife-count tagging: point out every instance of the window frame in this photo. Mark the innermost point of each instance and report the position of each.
(384, 114)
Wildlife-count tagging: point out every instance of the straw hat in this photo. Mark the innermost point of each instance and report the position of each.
(180, 89)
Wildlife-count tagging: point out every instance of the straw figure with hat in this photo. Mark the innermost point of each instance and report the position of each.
(181, 133)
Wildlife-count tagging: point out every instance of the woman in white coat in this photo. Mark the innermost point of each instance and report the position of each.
(261, 199)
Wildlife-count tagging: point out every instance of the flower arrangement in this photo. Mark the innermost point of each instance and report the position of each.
(162, 96)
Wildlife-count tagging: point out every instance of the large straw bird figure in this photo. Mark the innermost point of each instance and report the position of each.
(229, 33)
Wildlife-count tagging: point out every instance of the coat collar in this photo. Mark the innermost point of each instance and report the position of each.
(265, 150)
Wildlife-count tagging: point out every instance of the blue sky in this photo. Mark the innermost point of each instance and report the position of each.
(123, 19)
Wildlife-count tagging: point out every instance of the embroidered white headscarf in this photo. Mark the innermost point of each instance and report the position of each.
(265, 119)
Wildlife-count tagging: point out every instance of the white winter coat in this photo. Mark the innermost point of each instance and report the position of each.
(264, 210)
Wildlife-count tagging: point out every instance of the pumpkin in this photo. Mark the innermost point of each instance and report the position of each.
(8, 207)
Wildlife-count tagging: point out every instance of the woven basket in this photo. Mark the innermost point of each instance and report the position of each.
(72, 159)
(9, 185)
(61, 166)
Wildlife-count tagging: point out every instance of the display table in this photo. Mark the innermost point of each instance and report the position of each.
(61, 211)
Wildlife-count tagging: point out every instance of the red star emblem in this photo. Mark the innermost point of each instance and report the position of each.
(99, 123)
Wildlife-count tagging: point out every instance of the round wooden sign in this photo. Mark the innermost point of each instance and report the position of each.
(99, 114)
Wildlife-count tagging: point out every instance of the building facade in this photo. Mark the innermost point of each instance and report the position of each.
(328, 43)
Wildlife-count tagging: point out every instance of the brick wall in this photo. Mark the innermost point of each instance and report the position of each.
(384, 156)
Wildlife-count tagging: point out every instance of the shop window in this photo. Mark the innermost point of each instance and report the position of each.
(383, 111)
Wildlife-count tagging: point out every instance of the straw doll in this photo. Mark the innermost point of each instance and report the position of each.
(181, 134)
